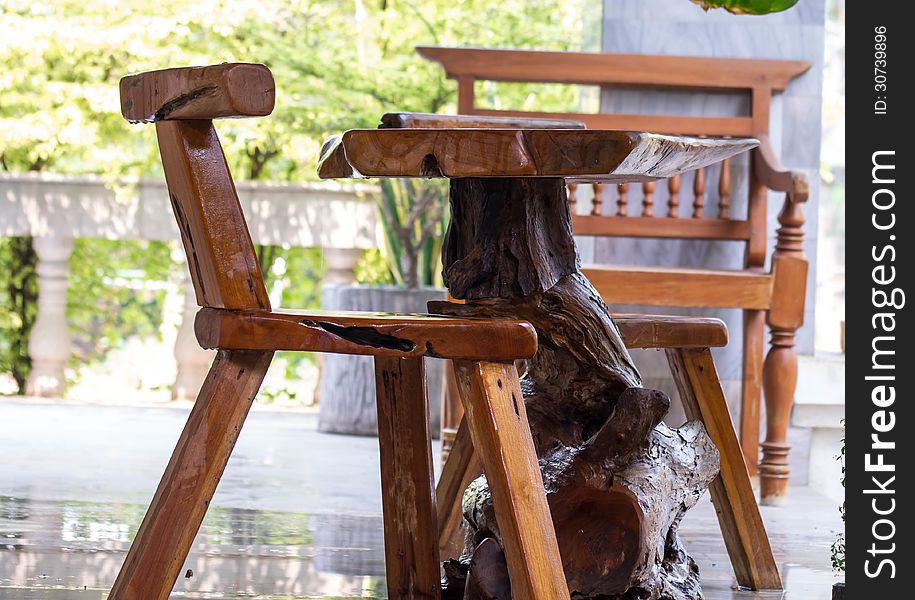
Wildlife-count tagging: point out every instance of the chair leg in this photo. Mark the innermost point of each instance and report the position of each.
(751, 387)
(452, 411)
(460, 468)
(779, 384)
(738, 514)
(497, 420)
(161, 545)
(407, 475)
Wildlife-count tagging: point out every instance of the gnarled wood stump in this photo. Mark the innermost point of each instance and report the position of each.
(618, 480)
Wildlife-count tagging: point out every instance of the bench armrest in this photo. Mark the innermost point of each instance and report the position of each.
(770, 172)
(229, 90)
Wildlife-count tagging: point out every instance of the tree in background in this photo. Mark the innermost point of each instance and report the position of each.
(338, 65)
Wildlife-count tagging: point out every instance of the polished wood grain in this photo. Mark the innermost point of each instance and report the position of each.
(605, 68)
(212, 92)
(407, 493)
(497, 421)
(377, 334)
(163, 540)
(665, 331)
(662, 228)
(770, 172)
(466, 152)
(738, 514)
(407, 120)
(221, 256)
(660, 286)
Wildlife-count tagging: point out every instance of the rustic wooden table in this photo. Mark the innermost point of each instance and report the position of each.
(620, 480)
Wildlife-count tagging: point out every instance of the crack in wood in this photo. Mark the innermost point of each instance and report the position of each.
(177, 102)
(364, 336)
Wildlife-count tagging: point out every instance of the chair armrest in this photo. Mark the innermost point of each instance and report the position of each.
(229, 90)
(770, 172)
(663, 331)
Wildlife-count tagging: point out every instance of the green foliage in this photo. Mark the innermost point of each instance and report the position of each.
(748, 7)
(18, 297)
(838, 547)
(414, 217)
(116, 291)
(338, 65)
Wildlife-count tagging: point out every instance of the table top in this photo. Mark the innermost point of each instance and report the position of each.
(575, 154)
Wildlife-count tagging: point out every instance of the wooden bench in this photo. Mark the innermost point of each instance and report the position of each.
(774, 296)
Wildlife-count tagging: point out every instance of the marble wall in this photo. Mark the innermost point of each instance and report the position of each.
(679, 27)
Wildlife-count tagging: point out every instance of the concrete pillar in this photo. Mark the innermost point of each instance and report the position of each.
(49, 342)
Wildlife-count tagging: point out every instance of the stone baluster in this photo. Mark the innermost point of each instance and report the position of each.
(341, 265)
(192, 361)
(49, 341)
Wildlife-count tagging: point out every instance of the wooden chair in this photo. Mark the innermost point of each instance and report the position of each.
(687, 342)
(774, 297)
(237, 320)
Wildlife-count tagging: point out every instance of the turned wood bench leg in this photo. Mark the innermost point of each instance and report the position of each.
(162, 543)
(738, 513)
(497, 421)
(407, 476)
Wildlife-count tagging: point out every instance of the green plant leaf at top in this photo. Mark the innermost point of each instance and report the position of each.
(748, 7)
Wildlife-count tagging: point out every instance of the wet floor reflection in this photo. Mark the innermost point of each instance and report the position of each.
(79, 546)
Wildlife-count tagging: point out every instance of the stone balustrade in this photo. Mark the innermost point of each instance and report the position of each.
(55, 209)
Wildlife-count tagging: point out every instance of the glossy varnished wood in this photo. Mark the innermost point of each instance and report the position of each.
(497, 420)
(154, 560)
(221, 257)
(212, 92)
(407, 493)
(460, 468)
(665, 331)
(663, 228)
(661, 286)
(483, 152)
(378, 334)
(604, 68)
(738, 514)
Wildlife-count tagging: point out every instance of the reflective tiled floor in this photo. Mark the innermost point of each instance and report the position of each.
(296, 516)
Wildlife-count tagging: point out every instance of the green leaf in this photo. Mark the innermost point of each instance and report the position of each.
(748, 7)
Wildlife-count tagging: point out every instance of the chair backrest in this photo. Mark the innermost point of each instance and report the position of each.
(182, 103)
(759, 78)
